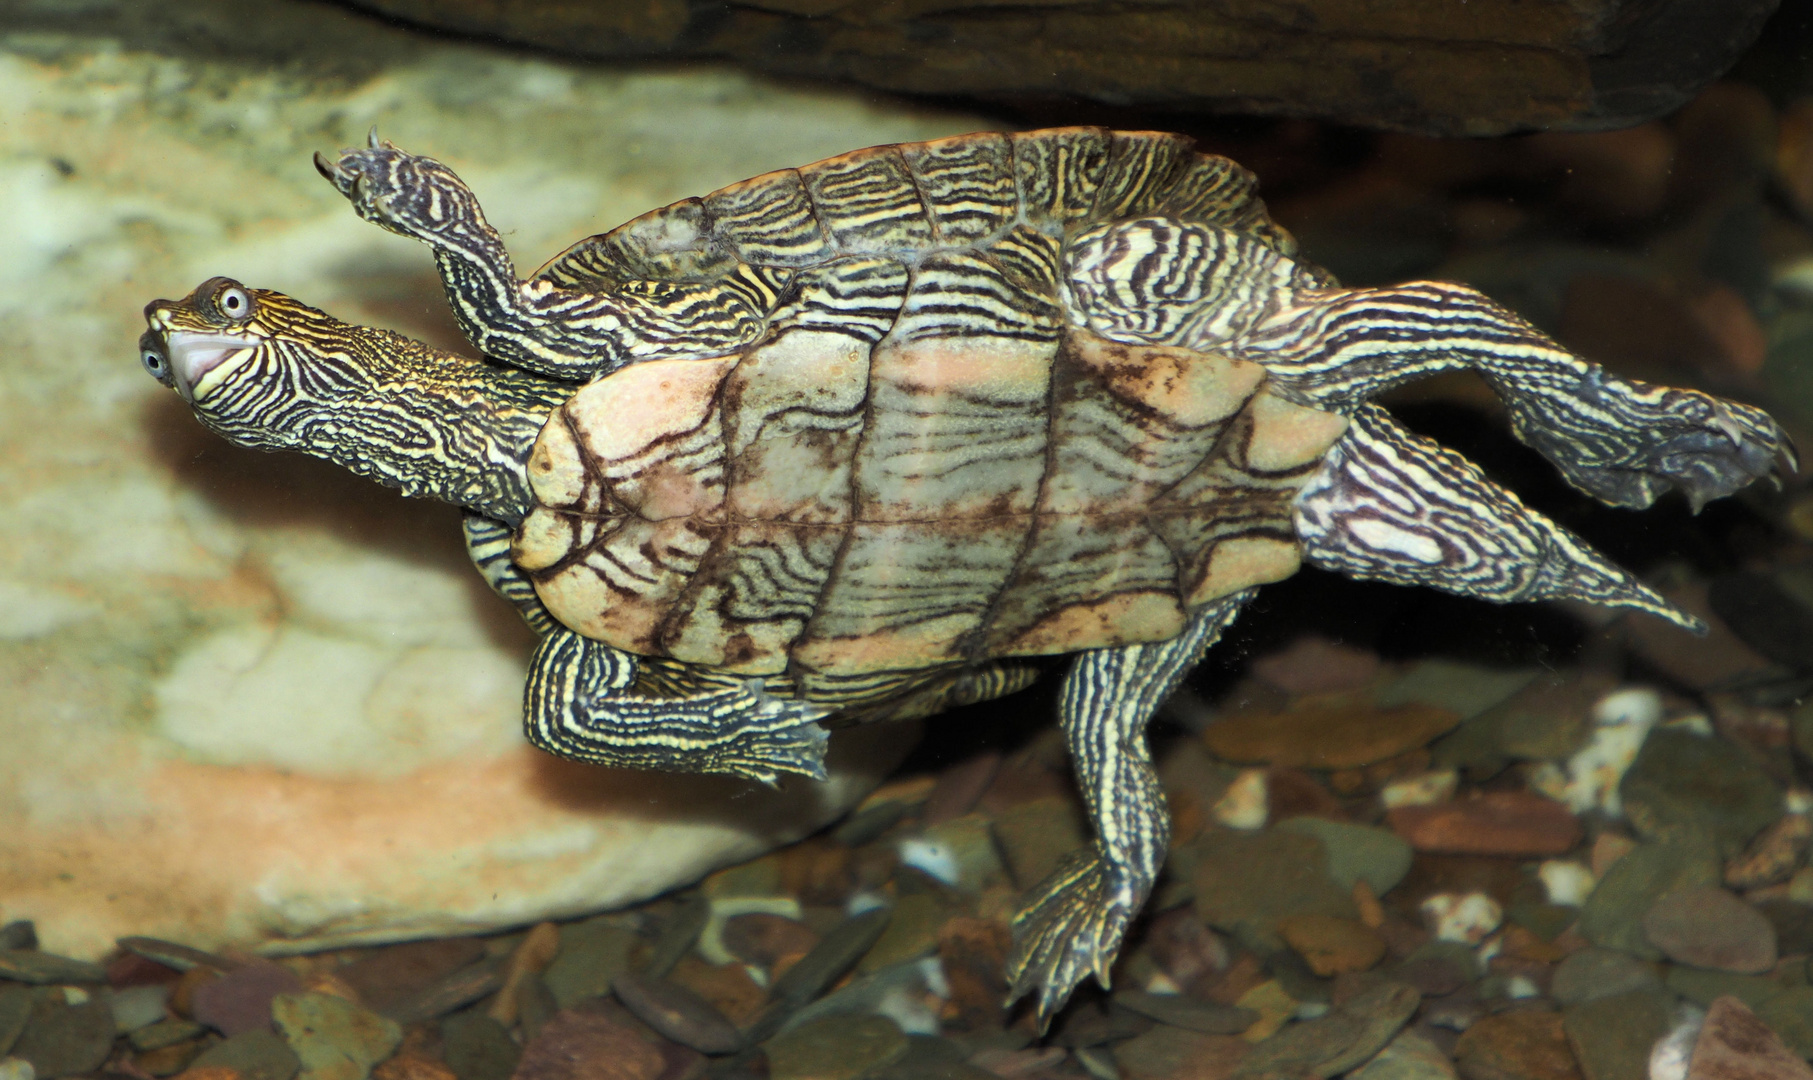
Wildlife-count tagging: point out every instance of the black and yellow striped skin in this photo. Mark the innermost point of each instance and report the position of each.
(866, 439)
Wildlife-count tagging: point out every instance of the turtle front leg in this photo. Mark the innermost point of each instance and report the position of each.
(1622, 441)
(1073, 922)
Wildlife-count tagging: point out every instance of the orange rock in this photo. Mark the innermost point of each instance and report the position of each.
(209, 1072)
(1526, 1044)
(1335, 731)
(1496, 823)
(1332, 945)
(412, 1067)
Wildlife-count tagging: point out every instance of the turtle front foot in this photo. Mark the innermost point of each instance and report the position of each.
(409, 195)
(1071, 928)
(1646, 439)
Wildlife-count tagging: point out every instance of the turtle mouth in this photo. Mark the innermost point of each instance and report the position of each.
(194, 357)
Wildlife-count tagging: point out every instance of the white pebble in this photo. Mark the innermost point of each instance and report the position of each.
(1426, 789)
(1468, 918)
(1567, 881)
(931, 857)
(1246, 803)
(1669, 1057)
(1521, 987)
(137, 1006)
(1622, 721)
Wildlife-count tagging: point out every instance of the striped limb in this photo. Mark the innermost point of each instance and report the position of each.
(578, 705)
(1073, 923)
(1388, 505)
(1622, 441)
(565, 333)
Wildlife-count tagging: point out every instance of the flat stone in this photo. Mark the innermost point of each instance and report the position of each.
(831, 957)
(1612, 916)
(1331, 945)
(1548, 719)
(834, 1048)
(1525, 1044)
(1595, 972)
(32, 966)
(678, 1013)
(972, 953)
(136, 1007)
(1036, 835)
(167, 1032)
(1341, 1039)
(1703, 663)
(1494, 823)
(411, 1066)
(1773, 855)
(450, 992)
(477, 1047)
(1336, 731)
(1613, 1035)
(1708, 927)
(15, 1010)
(1185, 948)
(961, 852)
(240, 1000)
(1789, 1013)
(252, 1055)
(334, 1038)
(1465, 689)
(1366, 853)
(1312, 664)
(1191, 1014)
(1169, 1053)
(1408, 1056)
(62, 1038)
(592, 954)
(1683, 782)
(761, 938)
(1767, 617)
(1735, 1045)
(1246, 882)
(586, 1042)
(395, 973)
(913, 931)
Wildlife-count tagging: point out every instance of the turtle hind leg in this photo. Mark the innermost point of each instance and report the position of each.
(1388, 505)
(1621, 441)
(1074, 920)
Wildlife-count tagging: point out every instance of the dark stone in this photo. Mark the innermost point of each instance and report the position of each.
(1767, 617)
(254, 1055)
(19, 934)
(678, 1013)
(395, 973)
(1613, 915)
(477, 1047)
(1683, 782)
(31, 966)
(15, 1010)
(63, 1039)
(241, 1000)
(1188, 1013)
(1612, 1035)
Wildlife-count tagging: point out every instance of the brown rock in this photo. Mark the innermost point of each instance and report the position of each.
(727, 987)
(959, 787)
(761, 939)
(1794, 156)
(1331, 945)
(1184, 948)
(209, 1072)
(1735, 1045)
(1312, 664)
(1527, 1044)
(1327, 732)
(240, 1000)
(973, 953)
(1168, 1053)
(835, 1048)
(1708, 927)
(677, 1013)
(1296, 793)
(408, 1066)
(1774, 854)
(1495, 823)
(397, 972)
(586, 1042)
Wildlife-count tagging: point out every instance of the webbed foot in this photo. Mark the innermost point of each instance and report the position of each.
(1070, 929)
(409, 195)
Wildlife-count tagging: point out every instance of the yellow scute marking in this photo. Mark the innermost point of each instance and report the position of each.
(1286, 435)
(1241, 562)
(1113, 620)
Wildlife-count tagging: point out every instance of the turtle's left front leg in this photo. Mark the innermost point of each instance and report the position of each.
(1074, 921)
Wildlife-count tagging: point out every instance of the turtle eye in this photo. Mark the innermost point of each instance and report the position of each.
(233, 303)
(151, 354)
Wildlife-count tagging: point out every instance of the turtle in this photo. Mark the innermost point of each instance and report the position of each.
(884, 434)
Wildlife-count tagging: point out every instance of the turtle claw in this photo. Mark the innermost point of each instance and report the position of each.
(1070, 929)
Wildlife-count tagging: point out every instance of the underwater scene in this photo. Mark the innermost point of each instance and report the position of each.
(1249, 541)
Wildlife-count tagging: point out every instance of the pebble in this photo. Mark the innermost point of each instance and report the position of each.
(834, 1048)
(1331, 945)
(240, 1000)
(395, 973)
(764, 939)
(1494, 823)
(1246, 803)
(1313, 664)
(447, 994)
(1683, 782)
(1246, 882)
(31, 966)
(63, 1037)
(12, 1068)
(409, 1066)
(522, 972)
(335, 1039)
(972, 955)
(477, 1047)
(1566, 882)
(175, 956)
(15, 1010)
(1524, 1044)
(1423, 789)
(1709, 927)
(165, 1033)
(1366, 853)
(678, 1013)
(1466, 690)
(1701, 663)
(1408, 1056)
(1274, 1005)
(1168, 1053)
(1438, 968)
(1185, 949)
(1010, 1064)
(1594, 972)
(1612, 916)
(1327, 732)
(252, 1055)
(959, 788)
(1467, 918)
(586, 1042)
(1345, 1037)
(913, 931)
(961, 852)
(1613, 1034)
(592, 954)
(1191, 1014)
(837, 953)
(1735, 1045)
(137, 1007)
(1036, 835)
(19, 934)
(1773, 855)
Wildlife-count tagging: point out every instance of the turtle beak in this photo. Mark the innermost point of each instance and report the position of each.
(193, 357)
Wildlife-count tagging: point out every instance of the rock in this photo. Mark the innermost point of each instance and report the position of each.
(395, 973)
(1437, 969)
(1366, 853)
(137, 1007)
(972, 953)
(1409, 1056)
(68, 1032)
(32, 966)
(1789, 1013)
(1494, 823)
(727, 988)
(1247, 882)
(1185, 949)
(12, 1068)
(1613, 1035)
(592, 954)
(410, 1066)
(1331, 945)
(1467, 918)
(835, 1048)
(1168, 1053)
(836, 954)
(762, 939)
(451, 992)
(586, 1042)
(1036, 835)
(1735, 1045)
(1767, 617)
(326, 750)
(1708, 927)
(1326, 732)
(913, 931)
(164, 1033)
(240, 1000)
(477, 1047)
(960, 852)
(261, 1054)
(1191, 1014)
(678, 1013)
(1465, 689)
(1702, 663)
(1613, 914)
(15, 1010)
(1312, 664)
(1526, 1044)
(1341, 1039)
(959, 787)
(334, 1038)
(1682, 781)
(1595, 973)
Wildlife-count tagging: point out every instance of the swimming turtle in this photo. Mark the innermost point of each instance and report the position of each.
(861, 439)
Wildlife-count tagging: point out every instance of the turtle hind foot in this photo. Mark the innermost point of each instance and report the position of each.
(1644, 440)
(1070, 928)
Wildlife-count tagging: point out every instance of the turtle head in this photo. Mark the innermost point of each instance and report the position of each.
(271, 373)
